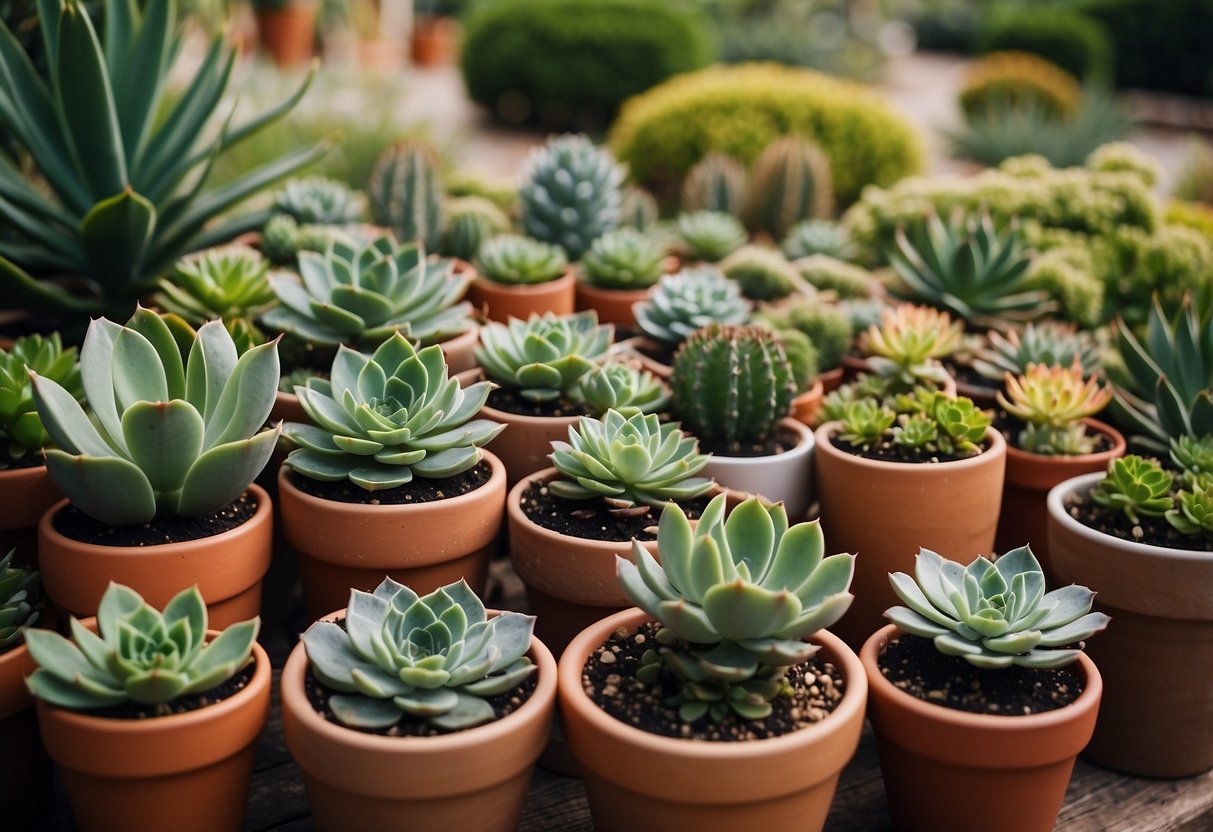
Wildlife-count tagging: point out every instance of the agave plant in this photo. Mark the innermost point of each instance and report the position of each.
(381, 419)
(21, 430)
(230, 283)
(1047, 342)
(994, 613)
(543, 357)
(171, 434)
(20, 591)
(1053, 401)
(432, 658)
(735, 598)
(622, 387)
(684, 302)
(121, 189)
(138, 654)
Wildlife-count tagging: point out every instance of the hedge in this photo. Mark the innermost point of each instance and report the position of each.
(1074, 41)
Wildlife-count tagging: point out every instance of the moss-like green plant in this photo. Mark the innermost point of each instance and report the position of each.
(543, 357)
(763, 274)
(1136, 486)
(21, 430)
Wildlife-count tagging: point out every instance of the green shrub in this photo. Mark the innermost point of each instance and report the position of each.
(1158, 44)
(1018, 79)
(1194, 215)
(739, 110)
(571, 63)
(1074, 41)
(1195, 180)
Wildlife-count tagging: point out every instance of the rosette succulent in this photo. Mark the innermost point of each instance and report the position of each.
(1053, 401)
(571, 193)
(808, 238)
(543, 357)
(994, 613)
(684, 302)
(1193, 455)
(1135, 486)
(623, 259)
(230, 283)
(735, 598)
(319, 200)
(432, 658)
(382, 419)
(20, 593)
(138, 654)
(622, 387)
(908, 343)
(710, 235)
(1193, 511)
(171, 433)
(515, 260)
(1046, 342)
(21, 430)
(763, 274)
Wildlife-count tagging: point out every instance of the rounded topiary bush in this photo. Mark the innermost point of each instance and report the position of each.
(1075, 42)
(571, 63)
(739, 110)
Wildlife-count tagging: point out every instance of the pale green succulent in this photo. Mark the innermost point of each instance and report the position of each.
(379, 420)
(20, 590)
(319, 200)
(138, 654)
(231, 283)
(682, 303)
(624, 259)
(515, 260)
(543, 357)
(1193, 512)
(994, 614)
(628, 461)
(21, 430)
(809, 238)
(571, 193)
(433, 658)
(1193, 455)
(735, 598)
(865, 422)
(170, 434)
(1136, 486)
(282, 239)
(710, 235)
(361, 294)
(1048, 342)
(622, 387)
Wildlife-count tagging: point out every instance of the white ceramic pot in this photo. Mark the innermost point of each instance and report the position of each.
(787, 476)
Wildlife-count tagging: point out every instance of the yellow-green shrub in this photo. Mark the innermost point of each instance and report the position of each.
(1020, 79)
(1194, 215)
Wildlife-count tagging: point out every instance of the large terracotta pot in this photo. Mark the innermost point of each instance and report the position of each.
(501, 302)
(25, 770)
(636, 781)
(614, 306)
(25, 495)
(227, 567)
(882, 512)
(570, 581)
(288, 33)
(952, 771)
(787, 476)
(469, 781)
(423, 545)
(1157, 655)
(1024, 515)
(193, 768)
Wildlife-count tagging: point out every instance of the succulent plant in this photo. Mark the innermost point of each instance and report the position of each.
(909, 342)
(1193, 511)
(961, 425)
(543, 357)
(361, 294)
(432, 658)
(827, 274)
(515, 260)
(809, 238)
(20, 591)
(623, 259)
(916, 432)
(824, 324)
(1019, 80)
(865, 422)
(406, 195)
(318, 200)
(732, 384)
(571, 193)
(21, 430)
(735, 598)
(762, 273)
(138, 654)
(230, 283)
(1053, 401)
(682, 303)
(1136, 486)
(172, 434)
(710, 235)
(994, 614)
(927, 421)
(282, 239)
(1047, 342)
(623, 387)
(717, 182)
(790, 181)
(1193, 455)
(638, 209)
(470, 220)
(802, 355)
(379, 420)
(969, 268)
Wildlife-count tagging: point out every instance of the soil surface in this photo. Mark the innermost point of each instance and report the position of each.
(509, 400)
(13, 461)
(660, 352)
(135, 710)
(72, 522)
(768, 447)
(1155, 531)
(914, 665)
(420, 490)
(592, 519)
(609, 679)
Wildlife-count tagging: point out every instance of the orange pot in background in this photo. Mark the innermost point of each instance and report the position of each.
(25, 495)
(288, 33)
(614, 306)
(501, 302)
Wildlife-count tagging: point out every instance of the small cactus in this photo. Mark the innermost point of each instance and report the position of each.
(470, 220)
(638, 209)
(762, 273)
(571, 193)
(716, 183)
(406, 193)
(790, 182)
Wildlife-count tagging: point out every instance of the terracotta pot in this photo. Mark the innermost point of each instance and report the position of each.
(807, 406)
(227, 567)
(1024, 515)
(831, 380)
(639, 781)
(423, 545)
(787, 476)
(570, 581)
(882, 512)
(946, 770)
(288, 33)
(193, 767)
(631, 347)
(469, 781)
(501, 302)
(1157, 655)
(434, 41)
(287, 409)
(614, 306)
(25, 494)
(25, 770)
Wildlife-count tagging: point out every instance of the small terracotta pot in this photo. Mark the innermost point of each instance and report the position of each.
(640, 781)
(1157, 655)
(787, 476)
(288, 33)
(501, 302)
(227, 567)
(614, 306)
(831, 380)
(945, 770)
(474, 780)
(345, 546)
(25, 770)
(193, 767)
(882, 512)
(807, 406)
(25, 494)
(631, 347)
(434, 41)
(1024, 515)
(570, 581)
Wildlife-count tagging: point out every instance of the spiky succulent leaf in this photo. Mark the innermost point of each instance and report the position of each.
(1046, 342)
(20, 600)
(543, 357)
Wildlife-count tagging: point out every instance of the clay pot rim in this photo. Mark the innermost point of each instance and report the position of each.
(483, 281)
(1087, 701)
(998, 447)
(804, 447)
(504, 416)
(47, 531)
(294, 675)
(1118, 448)
(513, 507)
(573, 658)
(19, 473)
(584, 285)
(1084, 482)
(419, 510)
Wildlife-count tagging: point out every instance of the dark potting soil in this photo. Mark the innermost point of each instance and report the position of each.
(1155, 531)
(592, 519)
(656, 350)
(420, 490)
(887, 451)
(509, 400)
(968, 377)
(10, 461)
(748, 450)
(72, 522)
(914, 665)
(135, 710)
(1010, 428)
(609, 679)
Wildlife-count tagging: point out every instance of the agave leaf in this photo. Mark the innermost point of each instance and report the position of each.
(116, 233)
(164, 439)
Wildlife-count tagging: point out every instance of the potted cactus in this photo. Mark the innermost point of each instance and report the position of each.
(406, 193)
(951, 679)
(717, 182)
(517, 277)
(424, 710)
(159, 479)
(389, 476)
(152, 703)
(724, 675)
(617, 272)
(790, 181)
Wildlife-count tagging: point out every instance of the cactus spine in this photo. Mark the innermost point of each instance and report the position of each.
(716, 183)
(790, 182)
(406, 194)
